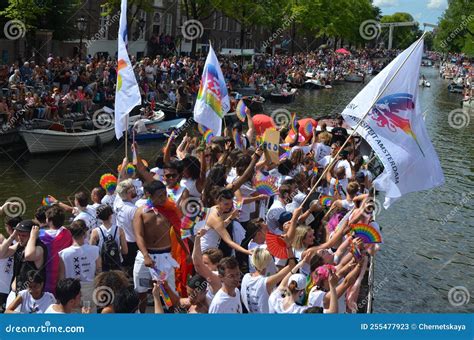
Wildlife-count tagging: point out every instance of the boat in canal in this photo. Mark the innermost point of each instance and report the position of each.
(159, 131)
(66, 137)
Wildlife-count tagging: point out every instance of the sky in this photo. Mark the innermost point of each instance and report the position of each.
(422, 10)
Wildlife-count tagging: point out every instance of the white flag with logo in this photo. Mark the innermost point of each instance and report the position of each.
(395, 129)
(127, 93)
(212, 100)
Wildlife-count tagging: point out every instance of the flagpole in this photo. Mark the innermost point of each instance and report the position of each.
(362, 119)
(126, 136)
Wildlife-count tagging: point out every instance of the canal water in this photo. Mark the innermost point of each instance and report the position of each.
(426, 264)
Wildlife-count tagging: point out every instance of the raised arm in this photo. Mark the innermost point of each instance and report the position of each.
(199, 265)
(348, 281)
(251, 131)
(6, 248)
(274, 279)
(247, 173)
(290, 235)
(220, 227)
(32, 252)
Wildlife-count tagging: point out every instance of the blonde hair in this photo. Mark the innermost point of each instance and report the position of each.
(123, 187)
(300, 234)
(261, 258)
(325, 137)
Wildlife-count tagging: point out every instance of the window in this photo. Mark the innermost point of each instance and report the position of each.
(214, 20)
(156, 23)
(169, 23)
(237, 27)
(221, 19)
(226, 24)
(142, 20)
(103, 24)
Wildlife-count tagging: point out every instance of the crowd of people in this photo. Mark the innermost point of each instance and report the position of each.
(72, 88)
(195, 234)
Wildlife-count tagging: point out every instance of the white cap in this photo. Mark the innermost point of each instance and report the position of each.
(300, 280)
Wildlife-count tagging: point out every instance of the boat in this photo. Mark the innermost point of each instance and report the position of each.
(313, 84)
(246, 90)
(283, 97)
(254, 103)
(162, 130)
(424, 83)
(468, 103)
(67, 137)
(169, 109)
(455, 88)
(354, 78)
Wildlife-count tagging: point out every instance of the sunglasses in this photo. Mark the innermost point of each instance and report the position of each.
(171, 175)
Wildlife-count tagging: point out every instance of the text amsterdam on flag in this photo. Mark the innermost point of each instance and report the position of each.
(395, 129)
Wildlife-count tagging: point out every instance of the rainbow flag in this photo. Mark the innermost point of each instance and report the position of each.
(212, 99)
(266, 185)
(241, 110)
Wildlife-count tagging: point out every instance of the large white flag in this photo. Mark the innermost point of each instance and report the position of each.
(212, 100)
(395, 129)
(127, 93)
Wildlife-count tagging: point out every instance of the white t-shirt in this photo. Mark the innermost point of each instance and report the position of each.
(50, 310)
(89, 217)
(32, 306)
(344, 163)
(175, 195)
(109, 200)
(275, 303)
(321, 150)
(247, 190)
(6, 274)
(79, 262)
(273, 215)
(316, 299)
(325, 161)
(190, 184)
(254, 293)
(125, 212)
(223, 303)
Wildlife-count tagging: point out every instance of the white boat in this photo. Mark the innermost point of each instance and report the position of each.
(313, 84)
(43, 141)
(424, 83)
(469, 103)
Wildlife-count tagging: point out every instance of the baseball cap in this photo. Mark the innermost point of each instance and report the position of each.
(300, 280)
(284, 217)
(25, 225)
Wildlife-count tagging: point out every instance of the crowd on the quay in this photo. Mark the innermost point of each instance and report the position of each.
(128, 239)
(71, 88)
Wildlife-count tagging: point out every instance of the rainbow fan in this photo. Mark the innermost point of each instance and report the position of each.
(241, 110)
(208, 136)
(265, 185)
(108, 182)
(47, 201)
(367, 233)
(326, 201)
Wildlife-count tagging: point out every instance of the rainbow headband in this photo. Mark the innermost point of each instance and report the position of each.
(367, 233)
(108, 182)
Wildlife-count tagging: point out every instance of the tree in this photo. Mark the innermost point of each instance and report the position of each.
(199, 10)
(455, 32)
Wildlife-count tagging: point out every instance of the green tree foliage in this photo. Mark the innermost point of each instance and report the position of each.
(455, 32)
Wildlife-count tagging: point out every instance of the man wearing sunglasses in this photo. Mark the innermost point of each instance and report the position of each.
(172, 176)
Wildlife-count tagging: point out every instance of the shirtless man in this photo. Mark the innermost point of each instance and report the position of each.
(152, 232)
